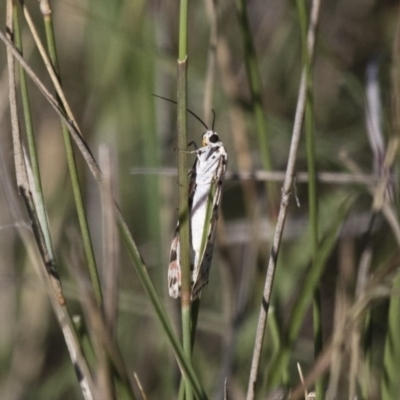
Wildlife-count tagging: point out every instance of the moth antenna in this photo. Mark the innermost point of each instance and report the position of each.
(189, 111)
(213, 119)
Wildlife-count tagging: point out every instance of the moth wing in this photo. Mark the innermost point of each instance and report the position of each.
(192, 183)
(209, 229)
(174, 268)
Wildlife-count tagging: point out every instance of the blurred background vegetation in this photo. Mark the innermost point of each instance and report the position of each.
(113, 56)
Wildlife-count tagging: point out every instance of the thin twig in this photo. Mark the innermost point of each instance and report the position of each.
(142, 392)
(286, 191)
(334, 178)
(51, 69)
(302, 379)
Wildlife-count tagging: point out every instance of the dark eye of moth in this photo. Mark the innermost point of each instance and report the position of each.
(214, 138)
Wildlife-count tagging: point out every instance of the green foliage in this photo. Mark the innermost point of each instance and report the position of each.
(111, 57)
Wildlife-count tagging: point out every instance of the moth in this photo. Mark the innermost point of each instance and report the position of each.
(206, 178)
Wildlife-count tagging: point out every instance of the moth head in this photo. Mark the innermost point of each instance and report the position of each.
(210, 137)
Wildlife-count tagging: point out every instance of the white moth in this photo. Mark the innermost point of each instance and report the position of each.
(205, 187)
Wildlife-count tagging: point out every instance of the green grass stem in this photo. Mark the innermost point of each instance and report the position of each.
(183, 180)
(255, 86)
(39, 198)
(312, 184)
(73, 170)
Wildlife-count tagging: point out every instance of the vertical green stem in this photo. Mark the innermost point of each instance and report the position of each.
(31, 138)
(253, 76)
(313, 221)
(87, 242)
(312, 185)
(184, 223)
(36, 188)
(183, 32)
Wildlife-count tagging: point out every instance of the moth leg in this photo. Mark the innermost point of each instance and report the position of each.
(194, 144)
(198, 150)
